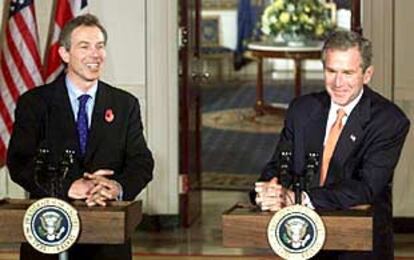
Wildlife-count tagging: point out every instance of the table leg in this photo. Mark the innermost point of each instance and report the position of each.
(259, 87)
(298, 77)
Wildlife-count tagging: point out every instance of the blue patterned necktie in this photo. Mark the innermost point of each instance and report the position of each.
(82, 123)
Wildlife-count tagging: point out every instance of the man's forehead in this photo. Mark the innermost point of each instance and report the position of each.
(87, 37)
(87, 32)
(349, 53)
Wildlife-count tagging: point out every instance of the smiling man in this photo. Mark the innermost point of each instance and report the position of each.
(357, 133)
(102, 124)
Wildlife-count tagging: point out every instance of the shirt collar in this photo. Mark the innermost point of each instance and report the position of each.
(75, 93)
(348, 108)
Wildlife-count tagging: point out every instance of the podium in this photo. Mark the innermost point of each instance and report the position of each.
(244, 226)
(112, 224)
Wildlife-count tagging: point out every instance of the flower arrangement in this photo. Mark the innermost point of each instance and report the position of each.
(306, 19)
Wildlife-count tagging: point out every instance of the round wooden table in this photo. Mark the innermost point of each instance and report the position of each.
(262, 50)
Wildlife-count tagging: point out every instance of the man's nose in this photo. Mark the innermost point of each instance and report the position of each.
(94, 52)
(339, 79)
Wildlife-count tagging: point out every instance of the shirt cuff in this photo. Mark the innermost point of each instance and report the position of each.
(121, 191)
(306, 201)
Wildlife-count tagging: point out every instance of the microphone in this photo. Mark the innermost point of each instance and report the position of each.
(66, 163)
(301, 181)
(41, 159)
(285, 164)
(312, 164)
(48, 173)
(42, 169)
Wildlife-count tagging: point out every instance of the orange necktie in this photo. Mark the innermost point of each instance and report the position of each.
(330, 144)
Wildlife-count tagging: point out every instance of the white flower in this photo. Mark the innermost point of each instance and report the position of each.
(290, 8)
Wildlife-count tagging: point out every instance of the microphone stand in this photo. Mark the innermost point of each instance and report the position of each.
(49, 178)
(288, 179)
(301, 181)
(44, 173)
(65, 164)
(297, 188)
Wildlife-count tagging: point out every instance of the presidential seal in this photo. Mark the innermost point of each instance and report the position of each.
(296, 232)
(51, 225)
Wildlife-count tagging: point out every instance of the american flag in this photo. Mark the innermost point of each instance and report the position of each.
(20, 65)
(65, 10)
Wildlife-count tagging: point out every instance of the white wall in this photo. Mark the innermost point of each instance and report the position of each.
(162, 89)
(403, 94)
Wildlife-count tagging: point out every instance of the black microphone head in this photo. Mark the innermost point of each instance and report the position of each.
(42, 162)
(68, 156)
(285, 163)
(312, 160)
(311, 168)
(285, 155)
(43, 156)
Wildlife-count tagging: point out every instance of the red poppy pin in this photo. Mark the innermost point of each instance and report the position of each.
(109, 115)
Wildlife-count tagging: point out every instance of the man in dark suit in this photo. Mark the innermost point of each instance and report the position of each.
(359, 169)
(112, 161)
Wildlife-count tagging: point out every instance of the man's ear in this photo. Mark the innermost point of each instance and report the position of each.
(368, 74)
(64, 54)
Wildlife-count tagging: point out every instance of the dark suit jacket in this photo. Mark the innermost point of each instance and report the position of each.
(362, 166)
(44, 117)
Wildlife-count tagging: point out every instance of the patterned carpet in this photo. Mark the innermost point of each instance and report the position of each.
(236, 144)
(243, 120)
(227, 181)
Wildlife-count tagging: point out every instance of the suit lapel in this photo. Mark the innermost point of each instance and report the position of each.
(314, 132)
(350, 138)
(61, 119)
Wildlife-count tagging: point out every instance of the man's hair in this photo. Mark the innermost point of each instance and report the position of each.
(344, 40)
(82, 20)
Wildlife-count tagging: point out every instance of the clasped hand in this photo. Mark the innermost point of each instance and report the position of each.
(95, 188)
(272, 196)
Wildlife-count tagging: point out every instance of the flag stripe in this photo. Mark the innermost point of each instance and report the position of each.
(18, 60)
(53, 66)
(6, 121)
(18, 44)
(3, 150)
(7, 99)
(55, 38)
(15, 66)
(25, 22)
(9, 78)
(63, 12)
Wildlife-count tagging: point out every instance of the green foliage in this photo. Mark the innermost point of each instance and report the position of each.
(310, 18)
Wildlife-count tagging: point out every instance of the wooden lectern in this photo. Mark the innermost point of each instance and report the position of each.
(246, 227)
(112, 224)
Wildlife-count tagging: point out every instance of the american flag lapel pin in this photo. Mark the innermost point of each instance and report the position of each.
(352, 137)
(109, 115)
